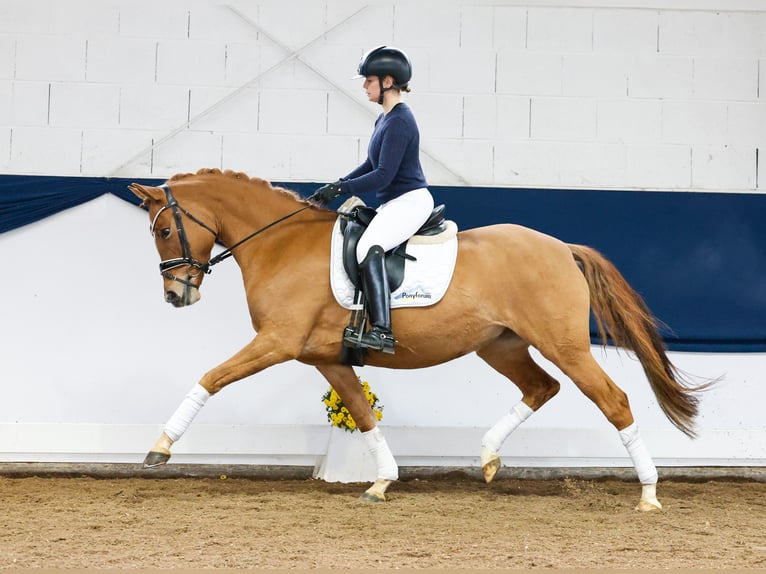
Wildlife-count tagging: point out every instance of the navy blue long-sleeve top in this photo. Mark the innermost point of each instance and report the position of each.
(393, 165)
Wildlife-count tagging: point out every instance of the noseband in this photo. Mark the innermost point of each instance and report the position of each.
(187, 258)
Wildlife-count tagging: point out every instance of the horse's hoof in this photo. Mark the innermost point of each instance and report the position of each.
(490, 467)
(649, 505)
(373, 497)
(155, 459)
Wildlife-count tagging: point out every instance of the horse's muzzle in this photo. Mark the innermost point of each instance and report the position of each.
(181, 295)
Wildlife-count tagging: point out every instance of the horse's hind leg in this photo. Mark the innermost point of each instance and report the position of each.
(510, 357)
(591, 379)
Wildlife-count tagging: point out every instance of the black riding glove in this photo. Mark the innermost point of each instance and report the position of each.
(327, 193)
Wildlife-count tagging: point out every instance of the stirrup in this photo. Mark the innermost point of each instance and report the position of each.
(374, 339)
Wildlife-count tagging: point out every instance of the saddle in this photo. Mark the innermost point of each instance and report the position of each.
(354, 223)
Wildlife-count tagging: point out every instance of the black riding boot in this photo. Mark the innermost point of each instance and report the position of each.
(378, 296)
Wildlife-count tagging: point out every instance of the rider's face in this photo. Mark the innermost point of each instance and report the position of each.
(372, 86)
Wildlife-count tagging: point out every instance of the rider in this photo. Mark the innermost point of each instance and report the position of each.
(392, 170)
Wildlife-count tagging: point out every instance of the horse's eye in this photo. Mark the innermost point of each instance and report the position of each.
(165, 232)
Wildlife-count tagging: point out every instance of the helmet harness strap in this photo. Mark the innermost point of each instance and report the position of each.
(383, 90)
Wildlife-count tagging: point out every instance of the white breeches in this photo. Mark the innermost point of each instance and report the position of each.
(396, 221)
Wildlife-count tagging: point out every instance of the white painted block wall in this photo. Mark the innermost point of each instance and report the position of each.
(628, 95)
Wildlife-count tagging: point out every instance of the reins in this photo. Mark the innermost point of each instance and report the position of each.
(226, 253)
(187, 258)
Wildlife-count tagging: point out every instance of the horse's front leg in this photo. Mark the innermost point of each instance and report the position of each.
(345, 382)
(255, 357)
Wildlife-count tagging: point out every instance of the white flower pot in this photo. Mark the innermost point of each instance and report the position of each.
(347, 459)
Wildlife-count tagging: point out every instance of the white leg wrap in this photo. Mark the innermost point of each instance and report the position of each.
(384, 460)
(647, 472)
(495, 437)
(185, 413)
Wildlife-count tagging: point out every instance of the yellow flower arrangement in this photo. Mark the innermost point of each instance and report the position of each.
(338, 414)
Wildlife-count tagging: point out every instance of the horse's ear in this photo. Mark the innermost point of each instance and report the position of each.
(146, 193)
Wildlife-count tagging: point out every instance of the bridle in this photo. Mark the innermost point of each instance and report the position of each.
(186, 255)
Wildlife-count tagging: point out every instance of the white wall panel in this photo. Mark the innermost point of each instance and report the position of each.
(361, 25)
(84, 105)
(625, 31)
(658, 76)
(563, 119)
(309, 157)
(463, 71)
(308, 22)
(349, 115)
(693, 33)
(155, 106)
(293, 112)
(188, 152)
(722, 167)
(559, 162)
(442, 25)
(238, 113)
(258, 154)
(477, 67)
(100, 147)
(561, 30)
(664, 167)
(726, 79)
(523, 73)
(189, 62)
(629, 120)
(5, 148)
(597, 75)
(694, 122)
(477, 25)
(122, 60)
(7, 56)
(747, 123)
(438, 115)
(50, 58)
(158, 20)
(82, 17)
(490, 118)
(744, 34)
(243, 63)
(474, 161)
(325, 59)
(42, 150)
(24, 103)
(510, 29)
(213, 21)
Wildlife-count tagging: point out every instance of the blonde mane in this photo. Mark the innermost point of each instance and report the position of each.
(238, 175)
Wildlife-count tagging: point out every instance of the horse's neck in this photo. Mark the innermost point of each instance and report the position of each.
(243, 209)
(270, 218)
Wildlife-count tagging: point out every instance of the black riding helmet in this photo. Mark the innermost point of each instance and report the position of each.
(386, 61)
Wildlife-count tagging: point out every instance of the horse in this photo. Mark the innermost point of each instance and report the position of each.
(512, 288)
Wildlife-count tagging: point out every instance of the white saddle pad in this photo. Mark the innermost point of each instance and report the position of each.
(425, 280)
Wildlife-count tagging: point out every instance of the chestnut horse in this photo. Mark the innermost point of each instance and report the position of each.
(512, 288)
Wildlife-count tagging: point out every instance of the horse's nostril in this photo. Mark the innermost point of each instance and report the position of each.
(171, 296)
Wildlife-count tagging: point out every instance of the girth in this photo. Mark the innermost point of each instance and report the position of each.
(353, 224)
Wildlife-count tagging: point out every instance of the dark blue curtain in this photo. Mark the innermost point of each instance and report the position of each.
(26, 199)
(698, 259)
